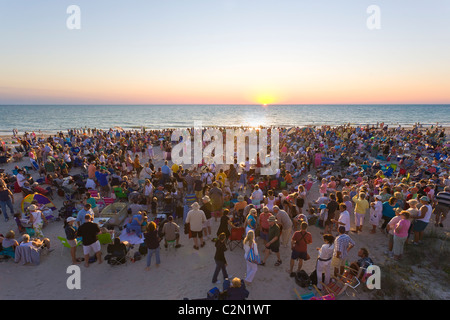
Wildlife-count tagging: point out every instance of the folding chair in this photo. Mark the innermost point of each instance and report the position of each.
(236, 238)
(104, 238)
(66, 244)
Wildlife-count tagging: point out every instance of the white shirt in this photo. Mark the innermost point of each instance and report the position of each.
(326, 251)
(20, 179)
(345, 218)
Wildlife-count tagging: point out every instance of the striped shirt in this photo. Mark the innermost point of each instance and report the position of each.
(443, 198)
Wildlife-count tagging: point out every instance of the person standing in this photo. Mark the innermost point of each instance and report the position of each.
(342, 245)
(250, 244)
(344, 218)
(376, 211)
(71, 236)
(152, 240)
(324, 260)
(219, 258)
(401, 234)
(6, 200)
(442, 206)
(196, 218)
(273, 243)
(361, 207)
(422, 220)
(89, 231)
(286, 224)
(299, 243)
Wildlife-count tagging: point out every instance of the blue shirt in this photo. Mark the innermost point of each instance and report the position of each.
(101, 178)
(82, 213)
(388, 210)
(165, 169)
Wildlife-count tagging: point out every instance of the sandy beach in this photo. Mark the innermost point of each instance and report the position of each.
(183, 273)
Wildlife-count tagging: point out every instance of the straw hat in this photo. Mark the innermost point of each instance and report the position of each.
(32, 207)
(206, 198)
(272, 219)
(195, 206)
(240, 198)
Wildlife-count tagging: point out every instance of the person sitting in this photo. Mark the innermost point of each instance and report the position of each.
(136, 223)
(37, 243)
(117, 252)
(171, 232)
(363, 262)
(236, 291)
(8, 244)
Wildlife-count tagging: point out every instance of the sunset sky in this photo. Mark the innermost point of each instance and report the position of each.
(227, 52)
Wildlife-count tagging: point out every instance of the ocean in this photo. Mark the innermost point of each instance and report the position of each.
(53, 118)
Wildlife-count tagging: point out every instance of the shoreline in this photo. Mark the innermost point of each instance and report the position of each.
(45, 134)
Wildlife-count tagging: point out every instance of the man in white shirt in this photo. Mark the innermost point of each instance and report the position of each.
(344, 218)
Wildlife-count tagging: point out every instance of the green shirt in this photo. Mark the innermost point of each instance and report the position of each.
(92, 202)
(274, 231)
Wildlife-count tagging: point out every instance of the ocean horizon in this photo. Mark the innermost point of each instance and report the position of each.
(59, 117)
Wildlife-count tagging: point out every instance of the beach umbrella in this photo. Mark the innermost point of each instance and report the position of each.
(41, 200)
(293, 130)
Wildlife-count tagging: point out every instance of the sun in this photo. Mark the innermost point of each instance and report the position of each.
(266, 99)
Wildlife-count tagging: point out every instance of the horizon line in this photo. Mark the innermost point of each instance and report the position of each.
(216, 104)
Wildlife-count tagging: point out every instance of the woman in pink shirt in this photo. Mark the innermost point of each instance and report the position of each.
(401, 234)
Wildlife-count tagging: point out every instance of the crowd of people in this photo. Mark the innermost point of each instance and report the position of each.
(390, 180)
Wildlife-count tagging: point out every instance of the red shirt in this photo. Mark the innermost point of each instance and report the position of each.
(301, 239)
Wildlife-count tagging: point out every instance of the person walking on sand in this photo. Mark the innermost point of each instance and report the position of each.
(250, 244)
(273, 243)
(219, 258)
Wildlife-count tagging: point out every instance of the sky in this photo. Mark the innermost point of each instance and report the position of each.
(225, 52)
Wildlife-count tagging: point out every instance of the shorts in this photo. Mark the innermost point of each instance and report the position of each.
(441, 209)
(96, 247)
(298, 255)
(419, 226)
(207, 223)
(73, 243)
(337, 262)
(264, 236)
(197, 234)
(274, 248)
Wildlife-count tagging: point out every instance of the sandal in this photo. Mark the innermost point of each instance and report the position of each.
(262, 264)
(277, 263)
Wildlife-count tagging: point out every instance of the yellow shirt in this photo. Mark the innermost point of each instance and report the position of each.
(361, 205)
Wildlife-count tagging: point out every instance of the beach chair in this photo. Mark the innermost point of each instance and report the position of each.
(236, 238)
(351, 277)
(120, 194)
(104, 238)
(65, 243)
(336, 287)
(104, 202)
(23, 229)
(94, 193)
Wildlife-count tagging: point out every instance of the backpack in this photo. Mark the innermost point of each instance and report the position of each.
(302, 279)
(137, 256)
(142, 249)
